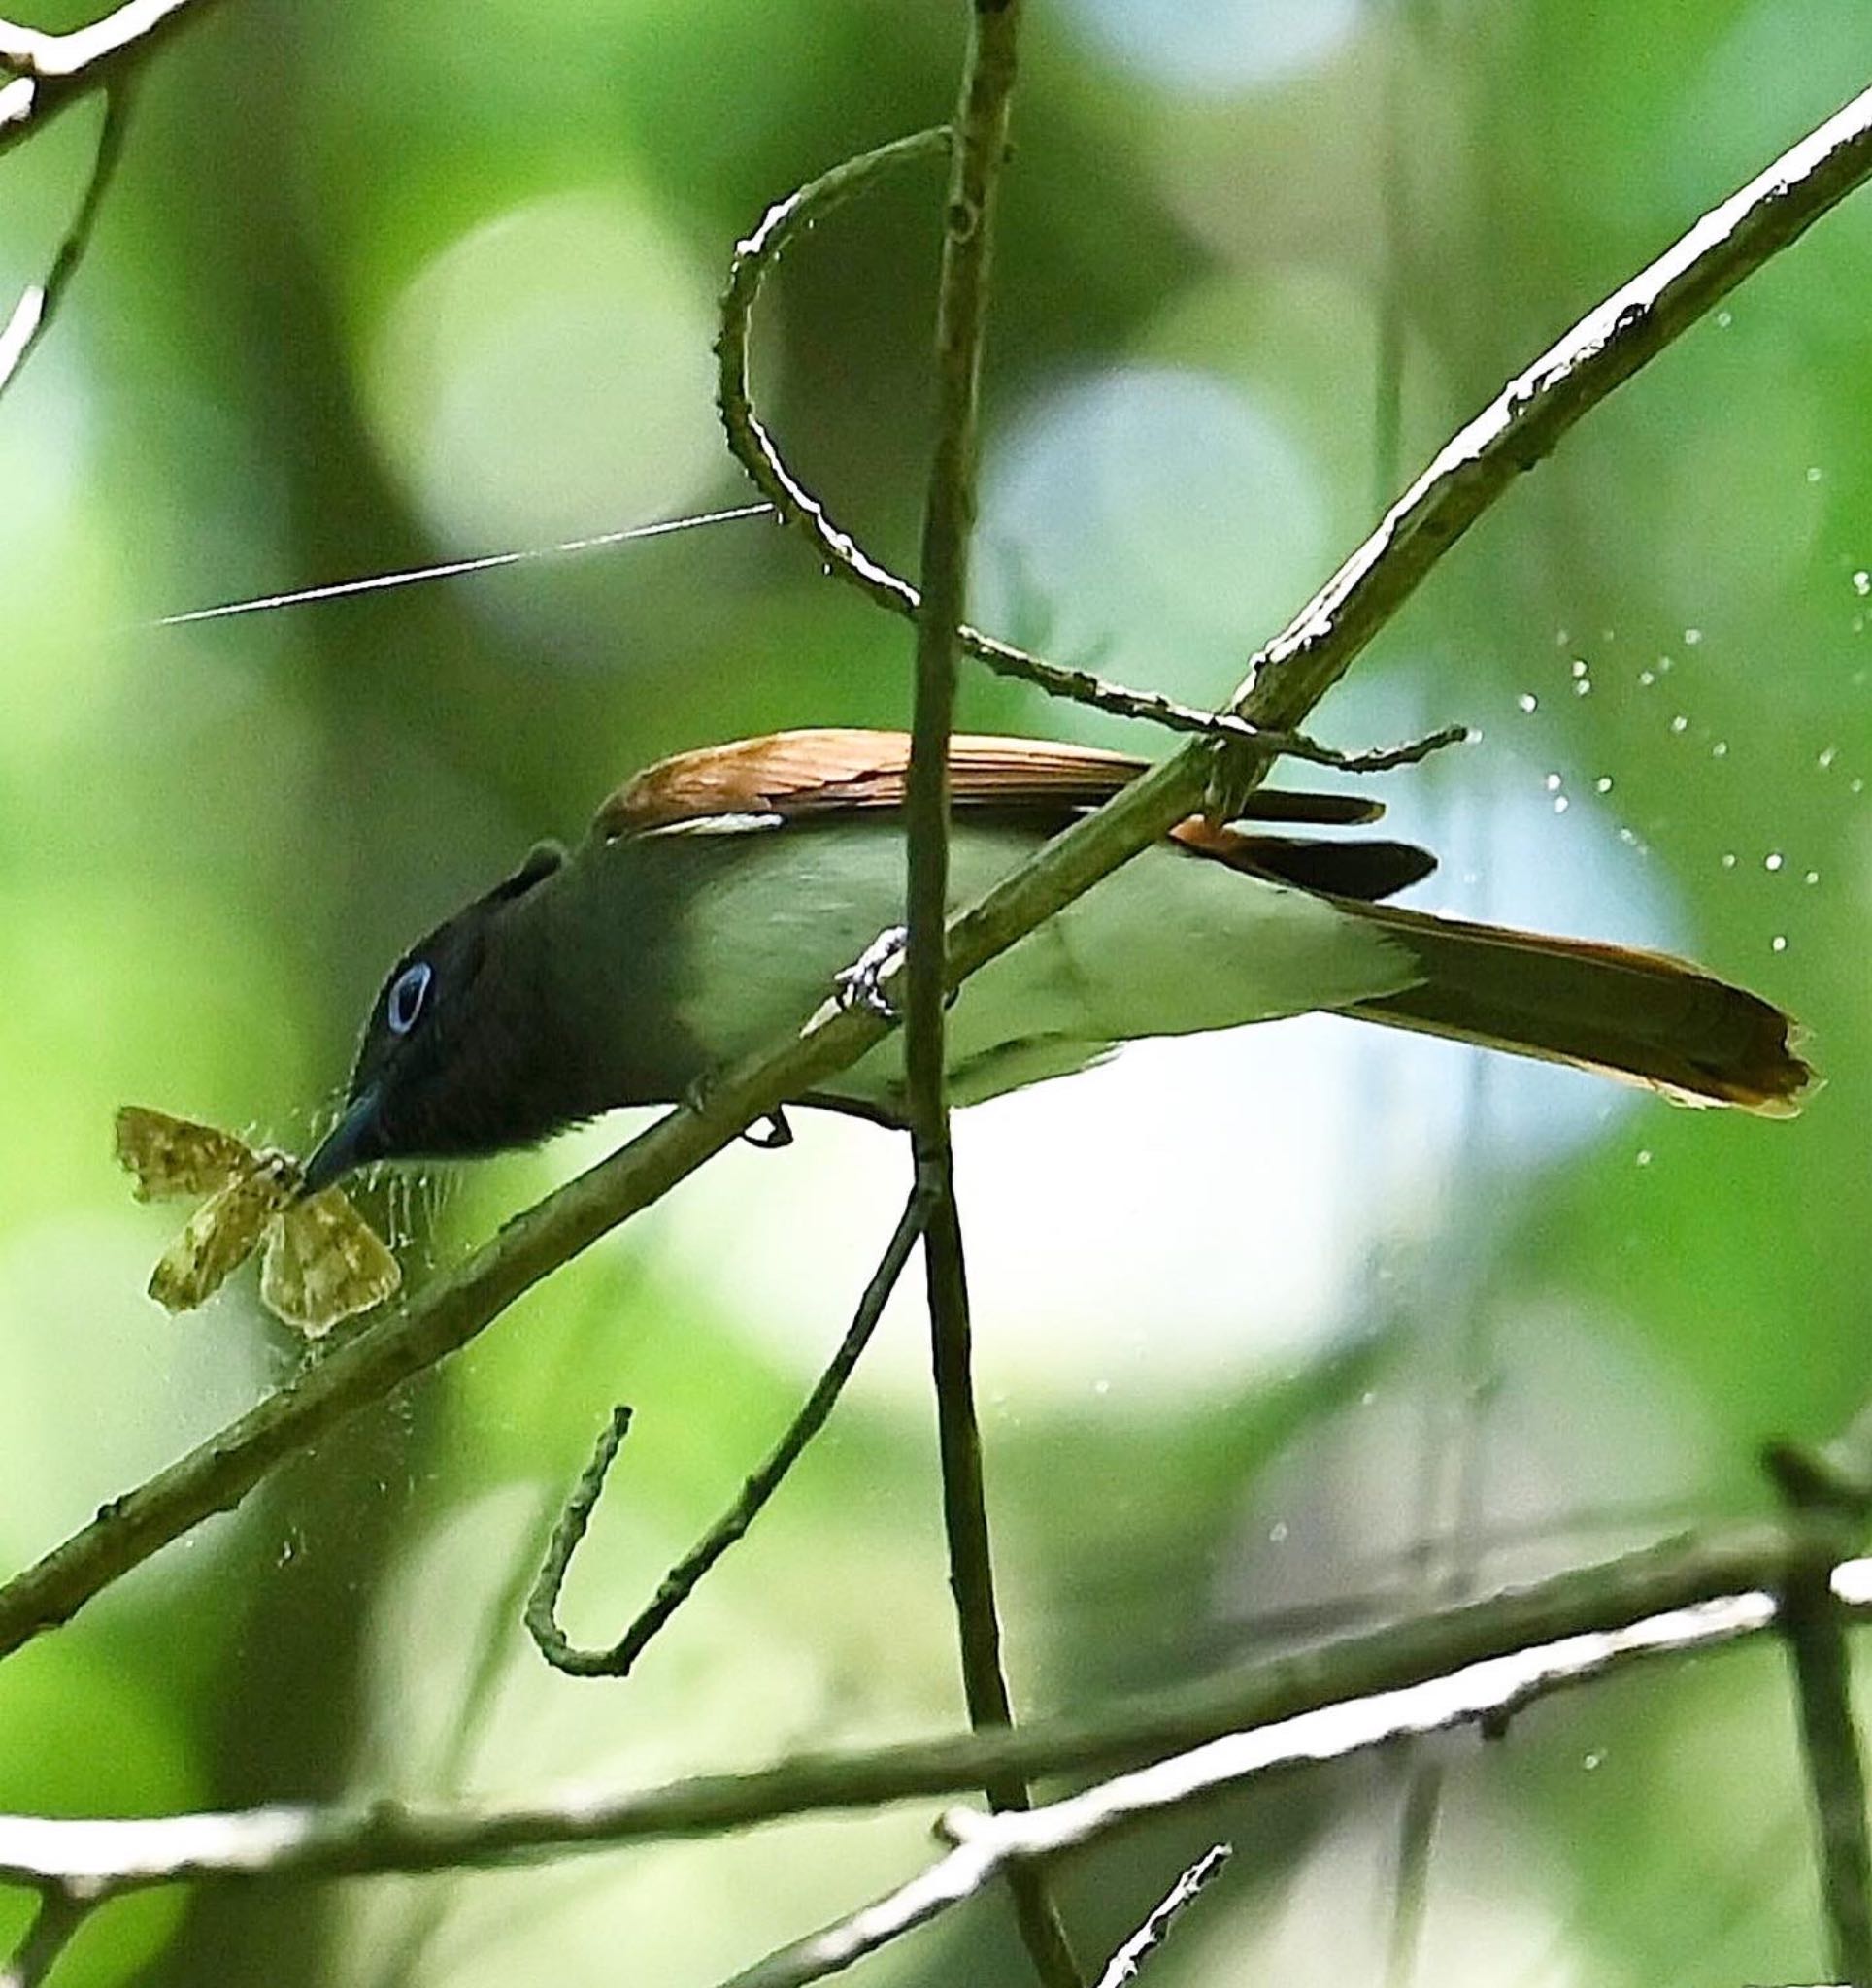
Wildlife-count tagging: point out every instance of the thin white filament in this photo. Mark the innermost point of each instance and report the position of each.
(449, 568)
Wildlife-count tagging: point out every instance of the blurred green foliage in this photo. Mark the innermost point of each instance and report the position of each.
(389, 284)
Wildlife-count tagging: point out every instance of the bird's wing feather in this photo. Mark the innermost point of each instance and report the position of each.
(807, 773)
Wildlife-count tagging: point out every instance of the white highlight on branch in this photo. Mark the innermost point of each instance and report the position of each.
(1482, 1692)
(449, 568)
(21, 328)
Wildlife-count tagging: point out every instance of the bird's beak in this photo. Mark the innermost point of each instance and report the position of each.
(348, 1144)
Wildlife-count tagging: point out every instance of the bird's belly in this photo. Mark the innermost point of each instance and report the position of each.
(1169, 944)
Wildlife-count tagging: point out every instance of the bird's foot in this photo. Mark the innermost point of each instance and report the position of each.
(770, 1132)
(861, 984)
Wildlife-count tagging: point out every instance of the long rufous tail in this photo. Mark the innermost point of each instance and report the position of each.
(1642, 1016)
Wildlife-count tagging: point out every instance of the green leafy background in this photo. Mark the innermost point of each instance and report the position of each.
(1258, 1318)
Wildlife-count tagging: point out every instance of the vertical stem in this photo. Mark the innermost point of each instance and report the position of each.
(949, 518)
(1816, 1636)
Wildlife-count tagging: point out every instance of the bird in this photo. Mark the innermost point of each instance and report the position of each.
(717, 895)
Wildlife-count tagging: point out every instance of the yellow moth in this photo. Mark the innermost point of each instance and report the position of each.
(322, 1261)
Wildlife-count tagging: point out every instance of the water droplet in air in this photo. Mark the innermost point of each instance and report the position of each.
(1772, 861)
(1529, 701)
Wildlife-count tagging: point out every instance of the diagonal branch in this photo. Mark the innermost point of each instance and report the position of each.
(1130, 1958)
(1598, 354)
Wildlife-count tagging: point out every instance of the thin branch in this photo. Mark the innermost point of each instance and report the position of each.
(684, 1577)
(53, 70)
(61, 1912)
(755, 448)
(1600, 354)
(39, 302)
(976, 157)
(1482, 1661)
(1487, 1694)
(1130, 1958)
(1813, 1627)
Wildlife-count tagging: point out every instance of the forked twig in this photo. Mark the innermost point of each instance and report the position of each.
(681, 1580)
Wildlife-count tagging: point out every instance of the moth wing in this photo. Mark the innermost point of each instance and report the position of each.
(170, 1158)
(324, 1263)
(219, 1236)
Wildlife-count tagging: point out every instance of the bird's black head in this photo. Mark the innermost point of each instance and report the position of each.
(441, 1072)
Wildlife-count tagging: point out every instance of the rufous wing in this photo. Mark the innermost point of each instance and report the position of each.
(828, 770)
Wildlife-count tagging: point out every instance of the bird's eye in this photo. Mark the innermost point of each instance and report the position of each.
(408, 993)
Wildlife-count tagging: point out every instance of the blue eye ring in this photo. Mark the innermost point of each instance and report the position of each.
(409, 992)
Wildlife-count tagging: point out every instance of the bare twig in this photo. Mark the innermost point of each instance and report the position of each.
(61, 1912)
(683, 1578)
(1482, 1661)
(976, 153)
(1130, 1958)
(39, 302)
(1597, 355)
(1486, 1693)
(846, 559)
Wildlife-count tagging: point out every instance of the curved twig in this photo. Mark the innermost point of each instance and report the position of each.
(684, 1577)
(755, 449)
